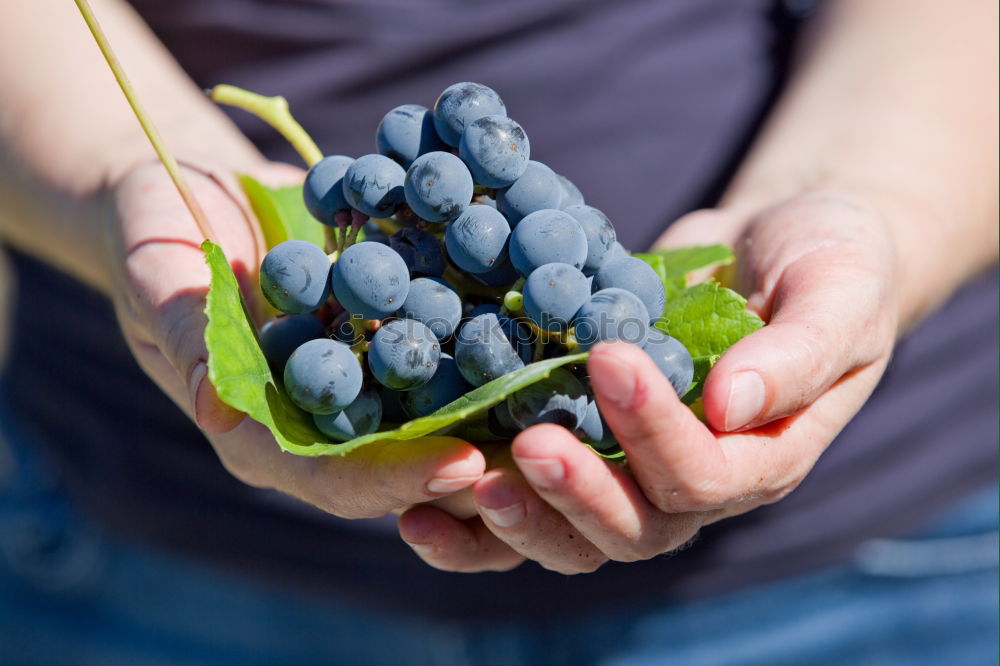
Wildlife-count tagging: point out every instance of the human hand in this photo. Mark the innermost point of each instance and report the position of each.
(159, 296)
(821, 269)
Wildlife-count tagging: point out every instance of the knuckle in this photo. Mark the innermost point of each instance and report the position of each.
(778, 491)
(687, 496)
(663, 537)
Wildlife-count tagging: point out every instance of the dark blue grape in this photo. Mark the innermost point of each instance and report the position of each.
(616, 251)
(496, 150)
(295, 276)
(373, 184)
(544, 237)
(447, 385)
(594, 429)
(323, 189)
(571, 195)
(600, 235)
(322, 376)
(405, 217)
(438, 186)
(281, 336)
(484, 308)
(502, 275)
(392, 405)
(433, 302)
(361, 417)
(611, 314)
(421, 250)
(404, 354)
(462, 104)
(341, 329)
(372, 232)
(477, 239)
(553, 294)
(537, 188)
(672, 358)
(634, 275)
(500, 423)
(559, 398)
(370, 280)
(488, 346)
(406, 133)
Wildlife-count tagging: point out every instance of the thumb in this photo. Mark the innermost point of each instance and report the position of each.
(826, 320)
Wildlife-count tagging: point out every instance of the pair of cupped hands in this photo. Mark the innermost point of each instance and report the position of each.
(819, 267)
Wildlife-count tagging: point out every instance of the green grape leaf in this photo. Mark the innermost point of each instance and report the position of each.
(237, 367)
(281, 213)
(708, 318)
(702, 364)
(474, 401)
(238, 370)
(678, 262)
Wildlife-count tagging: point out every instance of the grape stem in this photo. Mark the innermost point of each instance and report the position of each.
(330, 237)
(465, 285)
(166, 157)
(341, 237)
(272, 110)
(357, 221)
(387, 226)
(358, 327)
(565, 338)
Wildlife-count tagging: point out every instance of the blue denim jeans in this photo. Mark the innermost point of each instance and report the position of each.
(73, 595)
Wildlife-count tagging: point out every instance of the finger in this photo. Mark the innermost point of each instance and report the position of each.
(277, 174)
(368, 482)
(165, 278)
(704, 227)
(676, 460)
(460, 505)
(522, 520)
(770, 461)
(449, 544)
(602, 501)
(827, 319)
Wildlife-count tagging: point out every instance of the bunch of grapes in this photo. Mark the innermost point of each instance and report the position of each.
(453, 259)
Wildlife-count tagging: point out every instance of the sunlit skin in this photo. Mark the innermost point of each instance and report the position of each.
(869, 197)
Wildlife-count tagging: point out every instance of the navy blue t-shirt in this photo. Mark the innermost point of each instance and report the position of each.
(644, 104)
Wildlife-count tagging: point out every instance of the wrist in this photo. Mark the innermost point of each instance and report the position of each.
(931, 257)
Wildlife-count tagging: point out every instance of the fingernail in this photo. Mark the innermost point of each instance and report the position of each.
(613, 380)
(455, 476)
(508, 516)
(543, 473)
(194, 381)
(450, 485)
(421, 548)
(746, 399)
(210, 413)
